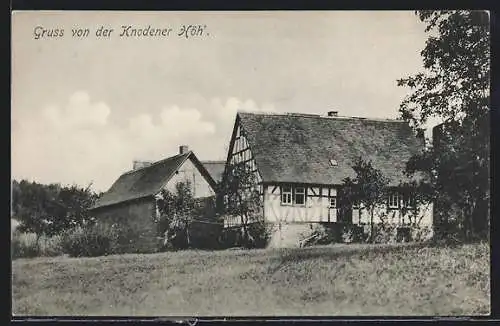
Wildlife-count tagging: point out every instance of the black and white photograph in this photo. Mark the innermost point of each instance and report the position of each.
(250, 163)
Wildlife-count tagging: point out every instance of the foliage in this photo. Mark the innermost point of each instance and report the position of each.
(260, 232)
(454, 88)
(385, 233)
(243, 199)
(352, 233)
(186, 221)
(28, 248)
(176, 211)
(319, 235)
(369, 187)
(50, 209)
(26, 245)
(89, 241)
(416, 195)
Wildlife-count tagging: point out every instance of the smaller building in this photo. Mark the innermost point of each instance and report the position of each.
(132, 199)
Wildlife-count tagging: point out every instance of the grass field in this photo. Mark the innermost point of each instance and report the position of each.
(333, 280)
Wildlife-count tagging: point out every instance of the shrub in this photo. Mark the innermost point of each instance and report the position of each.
(204, 235)
(421, 233)
(51, 246)
(385, 233)
(260, 234)
(96, 240)
(317, 235)
(351, 233)
(24, 246)
(229, 237)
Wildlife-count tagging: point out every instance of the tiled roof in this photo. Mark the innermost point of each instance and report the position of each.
(300, 148)
(215, 168)
(147, 181)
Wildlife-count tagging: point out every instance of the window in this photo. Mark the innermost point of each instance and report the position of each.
(393, 200)
(408, 201)
(333, 202)
(293, 195)
(286, 195)
(300, 196)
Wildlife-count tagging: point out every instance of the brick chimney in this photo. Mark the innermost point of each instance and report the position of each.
(141, 164)
(333, 113)
(183, 149)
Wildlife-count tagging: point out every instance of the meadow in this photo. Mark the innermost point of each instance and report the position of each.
(340, 279)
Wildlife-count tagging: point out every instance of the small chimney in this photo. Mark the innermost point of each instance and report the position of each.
(333, 113)
(183, 149)
(141, 164)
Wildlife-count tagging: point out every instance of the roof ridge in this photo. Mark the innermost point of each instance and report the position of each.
(156, 162)
(213, 161)
(315, 115)
(259, 112)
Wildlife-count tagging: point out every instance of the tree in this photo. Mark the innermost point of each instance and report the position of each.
(76, 201)
(50, 209)
(177, 210)
(368, 188)
(34, 205)
(454, 88)
(243, 199)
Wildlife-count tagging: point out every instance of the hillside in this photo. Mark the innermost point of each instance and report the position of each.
(335, 280)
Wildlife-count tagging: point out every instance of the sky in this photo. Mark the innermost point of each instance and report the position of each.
(83, 108)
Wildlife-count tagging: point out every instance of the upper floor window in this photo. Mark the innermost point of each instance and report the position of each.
(293, 195)
(286, 195)
(300, 196)
(393, 200)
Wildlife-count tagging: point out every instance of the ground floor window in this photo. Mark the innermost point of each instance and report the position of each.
(408, 201)
(393, 200)
(286, 195)
(299, 196)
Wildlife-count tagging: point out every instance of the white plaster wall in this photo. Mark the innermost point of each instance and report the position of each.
(188, 171)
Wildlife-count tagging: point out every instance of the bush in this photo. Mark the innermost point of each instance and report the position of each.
(421, 233)
(205, 235)
(90, 241)
(317, 235)
(229, 237)
(260, 234)
(24, 246)
(352, 233)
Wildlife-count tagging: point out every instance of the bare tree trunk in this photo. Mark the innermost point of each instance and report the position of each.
(37, 240)
(187, 235)
(371, 225)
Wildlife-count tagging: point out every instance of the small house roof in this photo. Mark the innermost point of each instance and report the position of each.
(314, 149)
(215, 168)
(148, 181)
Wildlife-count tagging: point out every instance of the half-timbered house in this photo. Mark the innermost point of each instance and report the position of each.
(301, 160)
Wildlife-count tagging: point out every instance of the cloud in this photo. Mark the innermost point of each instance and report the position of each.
(79, 111)
(77, 142)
